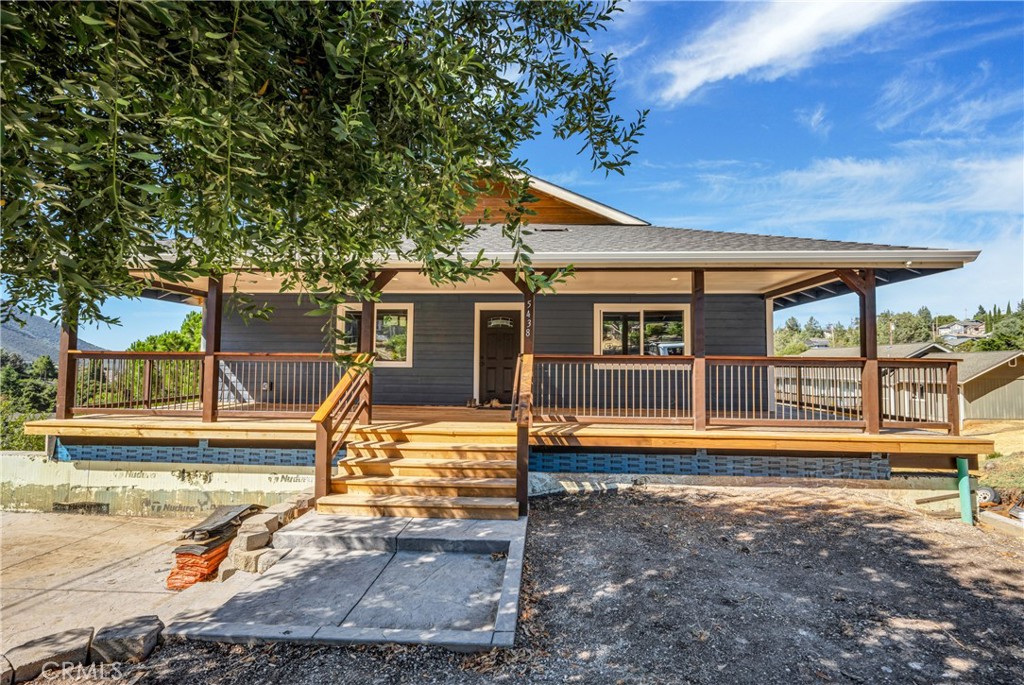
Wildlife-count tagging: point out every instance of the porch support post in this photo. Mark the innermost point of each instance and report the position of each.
(697, 309)
(872, 380)
(953, 398)
(963, 482)
(213, 311)
(864, 285)
(529, 309)
(367, 332)
(66, 366)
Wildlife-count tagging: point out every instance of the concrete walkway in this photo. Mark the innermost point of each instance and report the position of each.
(65, 571)
(350, 580)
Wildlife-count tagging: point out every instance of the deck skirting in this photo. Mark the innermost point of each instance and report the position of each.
(875, 467)
(547, 461)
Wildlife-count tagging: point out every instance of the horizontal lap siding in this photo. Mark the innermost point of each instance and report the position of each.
(289, 329)
(442, 339)
(442, 352)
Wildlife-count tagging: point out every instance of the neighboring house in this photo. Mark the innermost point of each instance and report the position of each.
(901, 351)
(966, 327)
(817, 343)
(991, 383)
(659, 326)
(959, 332)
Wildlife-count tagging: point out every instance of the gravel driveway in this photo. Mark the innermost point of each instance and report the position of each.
(707, 585)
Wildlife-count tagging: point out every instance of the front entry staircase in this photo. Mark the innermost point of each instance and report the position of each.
(425, 476)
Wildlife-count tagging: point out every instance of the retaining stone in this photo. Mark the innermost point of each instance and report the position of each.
(130, 641)
(226, 569)
(69, 646)
(247, 542)
(267, 560)
(247, 561)
(260, 522)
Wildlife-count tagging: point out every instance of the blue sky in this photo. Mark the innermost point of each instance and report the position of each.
(894, 123)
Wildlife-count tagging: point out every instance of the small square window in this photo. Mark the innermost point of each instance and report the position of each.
(392, 341)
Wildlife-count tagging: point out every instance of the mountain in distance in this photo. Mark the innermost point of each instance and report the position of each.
(36, 338)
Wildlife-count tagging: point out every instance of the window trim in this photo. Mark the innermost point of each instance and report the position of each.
(409, 315)
(601, 307)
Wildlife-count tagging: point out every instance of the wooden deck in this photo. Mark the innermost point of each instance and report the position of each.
(908, 449)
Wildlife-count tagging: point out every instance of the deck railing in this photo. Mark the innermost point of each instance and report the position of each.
(252, 384)
(785, 391)
(351, 400)
(744, 391)
(247, 384)
(137, 382)
(613, 388)
(919, 393)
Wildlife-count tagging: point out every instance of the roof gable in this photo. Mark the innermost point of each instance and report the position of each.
(554, 205)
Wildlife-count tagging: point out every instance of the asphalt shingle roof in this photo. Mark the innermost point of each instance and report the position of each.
(609, 238)
(901, 351)
(973, 364)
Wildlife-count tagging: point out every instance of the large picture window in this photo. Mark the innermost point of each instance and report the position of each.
(658, 330)
(392, 340)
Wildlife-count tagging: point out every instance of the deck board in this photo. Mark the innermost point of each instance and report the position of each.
(468, 424)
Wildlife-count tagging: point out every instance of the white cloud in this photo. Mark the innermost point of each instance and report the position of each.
(766, 42)
(814, 120)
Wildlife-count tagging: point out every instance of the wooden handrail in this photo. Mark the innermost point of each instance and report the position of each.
(522, 402)
(350, 399)
(107, 354)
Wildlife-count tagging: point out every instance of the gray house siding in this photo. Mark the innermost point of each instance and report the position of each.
(442, 337)
(996, 394)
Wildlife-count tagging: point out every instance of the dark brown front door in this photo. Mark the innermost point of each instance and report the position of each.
(499, 347)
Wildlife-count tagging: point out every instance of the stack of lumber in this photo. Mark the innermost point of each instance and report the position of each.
(198, 560)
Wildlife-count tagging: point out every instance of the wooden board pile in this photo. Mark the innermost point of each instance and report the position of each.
(198, 560)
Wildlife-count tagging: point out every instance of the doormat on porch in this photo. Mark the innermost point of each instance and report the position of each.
(857, 468)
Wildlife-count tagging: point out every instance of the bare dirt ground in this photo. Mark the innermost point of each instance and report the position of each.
(705, 585)
(1008, 435)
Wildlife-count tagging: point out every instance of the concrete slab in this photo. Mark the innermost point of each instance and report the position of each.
(308, 587)
(327, 532)
(29, 659)
(460, 535)
(458, 640)
(65, 571)
(430, 591)
(241, 633)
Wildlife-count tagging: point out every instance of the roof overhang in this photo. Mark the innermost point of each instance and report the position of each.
(613, 215)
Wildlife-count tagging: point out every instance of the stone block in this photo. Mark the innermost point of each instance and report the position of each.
(260, 522)
(247, 542)
(269, 559)
(285, 512)
(67, 647)
(6, 671)
(247, 561)
(130, 641)
(226, 569)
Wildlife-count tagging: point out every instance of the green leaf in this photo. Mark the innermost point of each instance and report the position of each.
(217, 36)
(145, 156)
(91, 21)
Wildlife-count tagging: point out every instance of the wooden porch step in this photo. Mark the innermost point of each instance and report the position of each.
(439, 432)
(504, 508)
(428, 450)
(416, 485)
(404, 466)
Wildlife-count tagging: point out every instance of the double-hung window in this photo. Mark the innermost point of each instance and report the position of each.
(392, 340)
(632, 329)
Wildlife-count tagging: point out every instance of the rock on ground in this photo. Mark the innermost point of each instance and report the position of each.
(68, 647)
(130, 641)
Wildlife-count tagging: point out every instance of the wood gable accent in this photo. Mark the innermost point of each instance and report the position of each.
(549, 210)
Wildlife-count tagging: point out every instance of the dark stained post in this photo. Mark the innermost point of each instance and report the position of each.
(871, 380)
(213, 313)
(66, 365)
(953, 398)
(367, 334)
(529, 310)
(697, 311)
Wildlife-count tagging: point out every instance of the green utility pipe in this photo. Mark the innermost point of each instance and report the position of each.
(963, 481)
